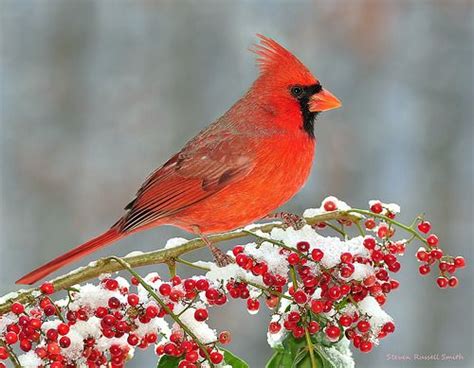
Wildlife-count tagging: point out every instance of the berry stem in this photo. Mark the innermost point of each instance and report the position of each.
(314, 364)
(408, 229)
(163, 305)
(293, 278)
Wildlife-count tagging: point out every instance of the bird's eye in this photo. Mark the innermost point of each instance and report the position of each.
(296, 91)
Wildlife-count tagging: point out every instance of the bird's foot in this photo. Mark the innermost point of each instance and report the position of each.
(220, 258)
(288, 219)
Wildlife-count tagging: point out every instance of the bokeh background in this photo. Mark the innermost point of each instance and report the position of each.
(96, 94)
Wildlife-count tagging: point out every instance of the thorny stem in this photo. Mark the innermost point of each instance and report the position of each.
(310, 349)
(106, 265)
(163, 305)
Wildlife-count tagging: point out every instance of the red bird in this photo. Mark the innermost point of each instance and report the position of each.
(250, 161)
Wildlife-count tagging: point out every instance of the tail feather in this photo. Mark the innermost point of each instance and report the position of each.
(92, 245)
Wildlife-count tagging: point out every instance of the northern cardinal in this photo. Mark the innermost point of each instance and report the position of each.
(248, 162)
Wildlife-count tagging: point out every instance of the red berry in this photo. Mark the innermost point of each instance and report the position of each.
(424, 269)
(313, 327)
(237, 250)
(201, 314)
(330, 205)
(333, 332)
(11, 338)
(370, 223)
(346, 257)
(151, 311)
(298, 332)
(274, 327)
(216, 357)
(17, 308)
(302, 246)
(47, 288)
(113, 303)
(202, 284)
(363, 326)
(317, 254)
(133, 300)
(63, 329)
(453, 281)
(432, 240)
(365, 346)
(442, 282)
(4, 353)
(64, 342)
(422, 255)
(293, 259)
(389, 327)
(300, 297)
(133, 339)
(225, 337)
(334, 292)
(345, 320)
(165, 289)
(253, 305)
(459, 262)
(317, 306)
(424, 227)
(111, 284)
(376, 207)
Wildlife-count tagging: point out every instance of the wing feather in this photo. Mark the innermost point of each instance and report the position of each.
(204, 166)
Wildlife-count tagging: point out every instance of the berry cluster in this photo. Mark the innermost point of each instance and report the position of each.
(100, 326)
(322, 288)
(431, 253)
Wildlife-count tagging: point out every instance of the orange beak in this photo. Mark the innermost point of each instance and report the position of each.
(323, 101)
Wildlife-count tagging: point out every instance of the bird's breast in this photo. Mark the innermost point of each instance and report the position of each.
(282, 166)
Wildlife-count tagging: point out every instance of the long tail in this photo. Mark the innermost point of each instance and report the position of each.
(92, 245)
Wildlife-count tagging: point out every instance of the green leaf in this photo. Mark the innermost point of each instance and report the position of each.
(294, 354)
(167, 361)
(234, 361)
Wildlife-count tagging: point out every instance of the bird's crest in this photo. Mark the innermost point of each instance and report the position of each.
(272, 57)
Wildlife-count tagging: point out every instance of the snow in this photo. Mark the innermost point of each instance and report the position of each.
(93, 296)
(340, 354)
(135, 253)
(340, 205)
(275, 340)
(75, 350)
(89, 328)
(6, 320)
(30, 360)
(202, 331)
(387, 207)
(9, 296)
(156, 325)
(332, 247)
(175, 242)
(50, 324)
(378, 317)
(218, 275)
(270, 254)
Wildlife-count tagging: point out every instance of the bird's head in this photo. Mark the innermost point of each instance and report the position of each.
(288, 87)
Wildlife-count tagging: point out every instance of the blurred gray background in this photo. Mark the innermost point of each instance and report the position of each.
(96, 94)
